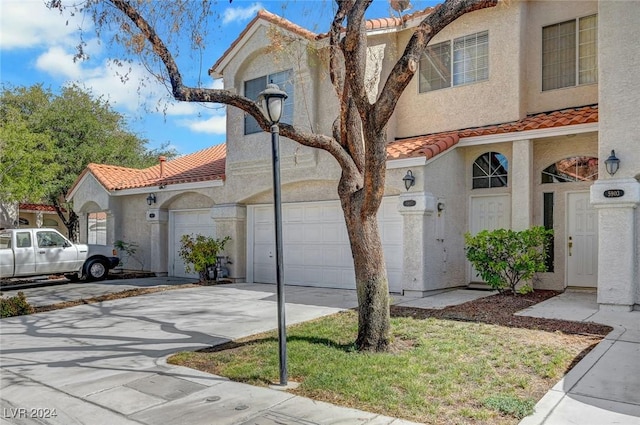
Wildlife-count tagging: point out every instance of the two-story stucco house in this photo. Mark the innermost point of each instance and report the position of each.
(508, 123)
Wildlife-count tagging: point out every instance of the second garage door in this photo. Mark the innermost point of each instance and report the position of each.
(316, 245)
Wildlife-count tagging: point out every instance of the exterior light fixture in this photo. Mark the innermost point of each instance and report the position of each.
(440, 207)
(409, 180)
(151, 199)
(612, 163)
(271, 101)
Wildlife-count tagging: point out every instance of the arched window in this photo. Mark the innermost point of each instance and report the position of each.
(490, 170)
(573, 169)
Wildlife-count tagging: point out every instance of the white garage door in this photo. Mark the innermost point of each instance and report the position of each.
(316, 245)
(186, 222)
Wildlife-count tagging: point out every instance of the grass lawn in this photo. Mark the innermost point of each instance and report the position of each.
(438, 372)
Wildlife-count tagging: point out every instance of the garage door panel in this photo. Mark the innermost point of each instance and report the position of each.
(295, 232)
(316, 244)
(293, 214)
(391, 233)
(312, 233)
(333, 233)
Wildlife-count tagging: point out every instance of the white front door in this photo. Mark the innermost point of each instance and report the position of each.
(188, 222)
(582, 241)
(488, 213)
(316, 244)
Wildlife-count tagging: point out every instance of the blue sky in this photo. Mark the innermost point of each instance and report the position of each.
(37, 46)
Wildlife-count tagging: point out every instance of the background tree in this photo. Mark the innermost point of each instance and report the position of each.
(46, 140)
(147, 30)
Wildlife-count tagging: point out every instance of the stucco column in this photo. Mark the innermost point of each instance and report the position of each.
(231, 220)
(618, 99)
(158, 221)
(521, 177)
(617, 201)
(418, 228)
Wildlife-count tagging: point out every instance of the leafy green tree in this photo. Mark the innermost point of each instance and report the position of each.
(48, 139)
(27, 169)
(504, 257)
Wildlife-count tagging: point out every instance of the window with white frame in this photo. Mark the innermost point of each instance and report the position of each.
(97, 228)
(252, 89)
(570, 53)
(462, 61)
(491, 169)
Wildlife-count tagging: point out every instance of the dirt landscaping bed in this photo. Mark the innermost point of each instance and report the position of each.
(499, 309)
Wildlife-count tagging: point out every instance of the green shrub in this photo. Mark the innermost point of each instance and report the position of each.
(199, 253)
(510, 405)
(15, 306)
(505, 257)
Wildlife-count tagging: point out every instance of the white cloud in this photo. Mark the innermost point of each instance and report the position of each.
(28, 23)
(58, 62)
(215, 124)
(234, 14)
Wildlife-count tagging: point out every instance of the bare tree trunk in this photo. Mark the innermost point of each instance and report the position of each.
(371, 275)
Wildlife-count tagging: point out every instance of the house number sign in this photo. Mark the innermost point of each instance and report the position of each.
(614, 193)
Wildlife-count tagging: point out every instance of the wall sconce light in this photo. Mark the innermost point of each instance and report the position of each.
(612, 163)
(409, 180)
(440, 207)
(151, 199)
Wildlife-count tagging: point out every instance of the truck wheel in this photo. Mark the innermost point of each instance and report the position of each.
(97, 270)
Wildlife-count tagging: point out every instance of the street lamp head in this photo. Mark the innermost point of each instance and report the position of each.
(271, 101)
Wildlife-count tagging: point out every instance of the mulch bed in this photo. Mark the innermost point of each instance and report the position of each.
(499, 309)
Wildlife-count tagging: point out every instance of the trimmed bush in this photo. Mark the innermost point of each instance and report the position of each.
(199, 253)
(15, 306)
(505, 257)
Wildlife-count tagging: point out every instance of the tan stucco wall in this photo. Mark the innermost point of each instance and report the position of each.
(541, 13)
(473, 104)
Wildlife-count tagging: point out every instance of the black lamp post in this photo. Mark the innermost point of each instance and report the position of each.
(272, 102)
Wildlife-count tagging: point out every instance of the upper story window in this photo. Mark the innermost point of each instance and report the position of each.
(252, 89)
(490, 169)
(570, 53)
(463, 61)
(573, 169)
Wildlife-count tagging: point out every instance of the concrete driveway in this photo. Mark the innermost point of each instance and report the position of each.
(105, 363)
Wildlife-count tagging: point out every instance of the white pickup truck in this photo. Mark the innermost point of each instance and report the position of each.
(36, 252)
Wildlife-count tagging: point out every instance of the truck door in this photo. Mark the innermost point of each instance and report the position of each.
(25, 254)
(54, 253)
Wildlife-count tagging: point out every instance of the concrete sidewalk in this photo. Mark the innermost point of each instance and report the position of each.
(604, 388)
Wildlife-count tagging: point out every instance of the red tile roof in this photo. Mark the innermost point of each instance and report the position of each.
(431, 145)
(209, 164)
(205, 165)
(37, 207)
